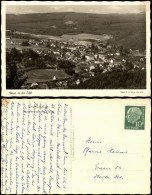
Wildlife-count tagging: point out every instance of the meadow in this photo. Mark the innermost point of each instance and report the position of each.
(44, 75)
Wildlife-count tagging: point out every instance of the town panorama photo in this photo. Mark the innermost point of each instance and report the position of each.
(75, 47)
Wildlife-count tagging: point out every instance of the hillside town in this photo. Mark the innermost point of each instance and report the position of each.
(86, 59)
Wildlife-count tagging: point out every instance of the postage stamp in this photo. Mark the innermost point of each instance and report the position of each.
(135, 117)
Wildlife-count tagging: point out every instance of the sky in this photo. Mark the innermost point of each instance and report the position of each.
(97, 9)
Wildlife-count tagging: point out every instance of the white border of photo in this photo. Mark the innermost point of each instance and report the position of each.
(75, 92)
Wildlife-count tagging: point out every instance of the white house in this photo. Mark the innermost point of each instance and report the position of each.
(78, 82)
(117, 54)
(56, 52)
(89, 58)
(111, 61)
(54, 78)
(34, 84)
(91, 67)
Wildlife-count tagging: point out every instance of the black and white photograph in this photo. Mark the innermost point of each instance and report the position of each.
(76, 46)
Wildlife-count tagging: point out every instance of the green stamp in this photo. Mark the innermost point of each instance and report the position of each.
(135, 117)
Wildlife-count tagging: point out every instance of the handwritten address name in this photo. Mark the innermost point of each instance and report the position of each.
(103, 172)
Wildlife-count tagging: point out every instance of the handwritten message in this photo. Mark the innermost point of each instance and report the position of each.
(35, 147)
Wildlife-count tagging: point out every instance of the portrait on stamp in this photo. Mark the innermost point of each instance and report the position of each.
(135, 117)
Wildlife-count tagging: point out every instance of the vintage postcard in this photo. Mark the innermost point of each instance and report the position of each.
(75, 146)
(76, 48)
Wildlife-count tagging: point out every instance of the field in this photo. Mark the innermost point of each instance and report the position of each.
(85, 36)
(66, 37)
(44, 75)
(128, 30)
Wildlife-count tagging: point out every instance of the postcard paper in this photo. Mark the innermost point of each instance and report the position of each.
(65, 146)
(76, 48)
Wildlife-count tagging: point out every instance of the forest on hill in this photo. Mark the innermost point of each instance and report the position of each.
(128, 30)
(115, 80)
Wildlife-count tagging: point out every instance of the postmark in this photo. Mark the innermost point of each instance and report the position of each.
(135, 117)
